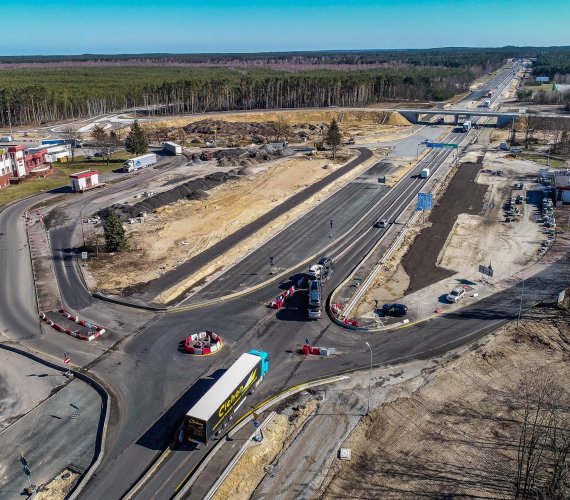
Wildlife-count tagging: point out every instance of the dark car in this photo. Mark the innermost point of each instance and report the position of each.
(397, 310)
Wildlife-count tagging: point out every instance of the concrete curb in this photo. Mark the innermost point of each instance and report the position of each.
(236, 459)
(103, 422)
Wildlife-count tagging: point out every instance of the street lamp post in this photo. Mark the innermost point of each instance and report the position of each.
(369, 377)
(81, 218)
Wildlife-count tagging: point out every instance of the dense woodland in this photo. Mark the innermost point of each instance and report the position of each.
(40, 89)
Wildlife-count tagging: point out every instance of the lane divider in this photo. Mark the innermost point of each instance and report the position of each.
(279, 301)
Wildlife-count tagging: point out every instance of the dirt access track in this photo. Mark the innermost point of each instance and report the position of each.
(176, 233)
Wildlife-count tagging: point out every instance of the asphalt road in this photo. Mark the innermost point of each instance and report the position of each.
(246, 323)
(181, 272)
(147, 376)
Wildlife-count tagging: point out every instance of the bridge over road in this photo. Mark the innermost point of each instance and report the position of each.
(503, 117)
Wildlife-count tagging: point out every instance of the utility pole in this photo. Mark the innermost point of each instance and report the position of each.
(369, 377)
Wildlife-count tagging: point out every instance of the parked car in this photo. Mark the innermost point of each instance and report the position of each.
(381, 223)
(397, 310)
(456, 294)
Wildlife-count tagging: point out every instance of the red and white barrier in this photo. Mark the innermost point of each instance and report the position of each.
(279, 301)
(318, 351)
(203, 343)
(352, 322)
(97, 330)
(336, 309)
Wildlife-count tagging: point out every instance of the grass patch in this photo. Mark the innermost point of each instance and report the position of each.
(543, 160)
(60, 178)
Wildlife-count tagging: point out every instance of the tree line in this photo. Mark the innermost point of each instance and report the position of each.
(71, 93)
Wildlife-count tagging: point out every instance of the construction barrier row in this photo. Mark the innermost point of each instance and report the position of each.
(318, 351)
(75, 334)
(99, 329)
(203, 343)
(352, 322)
(279, 301)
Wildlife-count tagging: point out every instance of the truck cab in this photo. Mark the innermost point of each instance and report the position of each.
(264, 360)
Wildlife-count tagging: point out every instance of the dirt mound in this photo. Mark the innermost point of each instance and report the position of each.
(234, 129)
(245, 171)
(397, 120)
(187, 190)
(199, 194)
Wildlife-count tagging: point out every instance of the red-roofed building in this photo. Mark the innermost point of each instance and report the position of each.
(82, 181)
(5, 167)
(18, 157)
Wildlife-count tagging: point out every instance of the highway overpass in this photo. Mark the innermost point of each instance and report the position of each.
(503, 117)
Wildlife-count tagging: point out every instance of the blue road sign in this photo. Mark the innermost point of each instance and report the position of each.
(307, 341)
(256, 423)
(425, 201)
(441, 145)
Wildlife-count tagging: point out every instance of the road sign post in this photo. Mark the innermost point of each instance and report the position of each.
(67, 362)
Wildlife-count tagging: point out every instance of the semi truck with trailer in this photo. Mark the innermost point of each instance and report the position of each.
(172, 148)
(487, 103)
(139, 162)
(213, 411)
(466, 127)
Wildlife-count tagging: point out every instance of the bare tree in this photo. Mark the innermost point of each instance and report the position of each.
(281, 129)
(544, 438)
(72, 136)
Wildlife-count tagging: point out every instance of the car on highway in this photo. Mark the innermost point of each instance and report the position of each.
(397, 310)
(381, 223)
(456, 294)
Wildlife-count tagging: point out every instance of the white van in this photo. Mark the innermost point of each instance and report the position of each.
(424, 174)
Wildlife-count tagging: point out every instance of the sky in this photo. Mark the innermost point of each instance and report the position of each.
(189, 26)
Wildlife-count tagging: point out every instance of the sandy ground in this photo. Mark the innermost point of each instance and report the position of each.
(348, 120)
(257, 460)
(484, 239)
(453, 437)
(23, 385)
(57, 488)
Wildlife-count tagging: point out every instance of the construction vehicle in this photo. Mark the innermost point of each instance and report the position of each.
(214, 410)
(139, 162)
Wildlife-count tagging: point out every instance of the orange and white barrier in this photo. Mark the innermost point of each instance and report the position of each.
(203, 343)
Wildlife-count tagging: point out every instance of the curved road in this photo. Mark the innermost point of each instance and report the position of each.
(148, 376)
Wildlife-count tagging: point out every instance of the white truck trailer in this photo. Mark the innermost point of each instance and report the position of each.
(466, 127)
(172, 148)
(139, 162)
